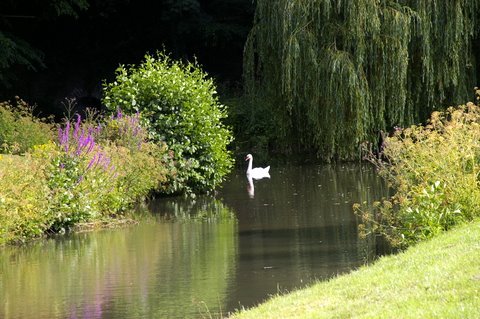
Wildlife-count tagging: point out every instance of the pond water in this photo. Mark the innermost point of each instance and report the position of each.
(199, 258)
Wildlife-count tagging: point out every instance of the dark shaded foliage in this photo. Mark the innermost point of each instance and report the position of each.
(67, 51)
(334, 73)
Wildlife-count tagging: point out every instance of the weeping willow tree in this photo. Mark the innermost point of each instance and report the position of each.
(333, 73)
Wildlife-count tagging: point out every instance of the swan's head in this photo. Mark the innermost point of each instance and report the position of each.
(248, 157)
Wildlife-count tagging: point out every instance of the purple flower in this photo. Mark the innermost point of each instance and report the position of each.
(77, 126)
(80, 142)
(92, 144)
(90, 164)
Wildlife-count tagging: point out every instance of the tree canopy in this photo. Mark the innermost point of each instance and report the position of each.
(54, 49)
(14, 49)
(335, 73)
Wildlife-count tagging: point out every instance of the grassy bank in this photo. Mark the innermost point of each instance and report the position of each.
(439, 278)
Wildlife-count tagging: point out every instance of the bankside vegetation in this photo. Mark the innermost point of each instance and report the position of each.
(433, 170)
(92, 171)
(20, 130)
(170, 140)
(328, 75)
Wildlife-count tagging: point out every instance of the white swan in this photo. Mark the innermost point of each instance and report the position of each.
(257, 172)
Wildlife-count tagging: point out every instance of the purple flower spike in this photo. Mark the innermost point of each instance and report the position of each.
(77, 126)
(106, 163)
(90, 164)
(67, 128)
(77, 142)
(92, 144)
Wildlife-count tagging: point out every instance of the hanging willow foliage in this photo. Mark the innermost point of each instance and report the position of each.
(334, 73)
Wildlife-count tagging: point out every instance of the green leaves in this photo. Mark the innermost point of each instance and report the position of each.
(20, 130)
(434, 170)
(180, 104)
(335, 73)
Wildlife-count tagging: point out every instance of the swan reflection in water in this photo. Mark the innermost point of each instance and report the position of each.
(250, 187)
(255, 173)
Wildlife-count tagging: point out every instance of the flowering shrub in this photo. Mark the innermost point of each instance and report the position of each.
(80, 162)
(93, 172)
(435, 171)
(103, 170)
(124, 130)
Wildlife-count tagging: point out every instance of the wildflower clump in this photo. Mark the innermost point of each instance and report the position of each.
(125, 130)
(434, 170)
(91, 172)
(79, 164)
(102, 170)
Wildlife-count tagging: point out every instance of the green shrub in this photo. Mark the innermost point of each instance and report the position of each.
(435, 172)
(23, 198)
(182, 109)
(126, 131)
(20, 130)
(145, 166)
(140, 172)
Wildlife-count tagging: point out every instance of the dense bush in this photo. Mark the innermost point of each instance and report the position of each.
(182, 109)
(24, 195)
(19, 129)
(435, 171)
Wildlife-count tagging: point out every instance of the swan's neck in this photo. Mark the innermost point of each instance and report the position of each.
(249, 164)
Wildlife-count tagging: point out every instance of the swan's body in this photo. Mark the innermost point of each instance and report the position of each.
(257, 172)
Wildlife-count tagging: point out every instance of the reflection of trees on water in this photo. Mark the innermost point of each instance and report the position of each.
(202, 208)
(234, 250)
(308, 196)
(357, 184)
(151, 270)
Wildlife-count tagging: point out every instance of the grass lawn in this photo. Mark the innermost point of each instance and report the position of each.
(439, 278)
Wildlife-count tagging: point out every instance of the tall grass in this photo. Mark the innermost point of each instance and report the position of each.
(20, 130)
